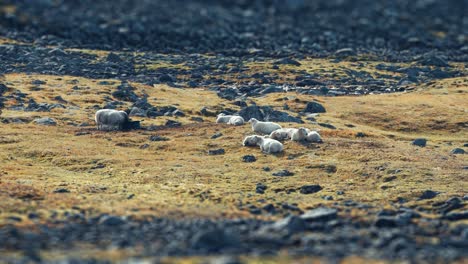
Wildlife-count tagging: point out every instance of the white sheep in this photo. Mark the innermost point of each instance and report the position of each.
(267, 145)
(263, 127)
(250, 141)
(299, 134)
(313, 136)
(110, 119)
(230, 119)
(282, 134)
(236, 121)
(223, 118)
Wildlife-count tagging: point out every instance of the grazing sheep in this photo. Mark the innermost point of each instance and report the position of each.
(110, 119)
(236, 121)
(299, 134)
(223, 118)
(313, 136)
(267, 145)
(263, 127)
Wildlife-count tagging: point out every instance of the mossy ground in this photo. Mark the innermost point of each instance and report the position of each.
(108, 172)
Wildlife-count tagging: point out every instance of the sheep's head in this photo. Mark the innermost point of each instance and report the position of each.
(302, 131)
(253, 120)
(222, 114)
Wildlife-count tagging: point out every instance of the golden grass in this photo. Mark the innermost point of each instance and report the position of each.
(178, 178)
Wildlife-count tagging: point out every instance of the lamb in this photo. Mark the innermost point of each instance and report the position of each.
(236, 121)
(313, 136)
(263, 127)
(267, 145)
(230, 119)
(299, 134)
(110, 119)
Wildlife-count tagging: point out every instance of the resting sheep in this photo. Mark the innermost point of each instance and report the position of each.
(299, 134)
(313, 136)
(263, 127)
(236, 121)
(230, 119)
(110, 119)
(267, 145)
(223, 118)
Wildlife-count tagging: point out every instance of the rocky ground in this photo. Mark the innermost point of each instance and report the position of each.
(384, 82)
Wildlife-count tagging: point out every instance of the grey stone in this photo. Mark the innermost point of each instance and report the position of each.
(457, 151)
(308, 189)
(45, 121)
(420, 142)
(320, 214)
(314, 107)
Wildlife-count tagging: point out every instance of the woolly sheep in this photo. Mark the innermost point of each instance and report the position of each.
(313, 136)
(263, 127)
(223, 118)
(267, 145)
(250, 141)
(282, 134)
(110, 119)
(299, 134)
(236, 121)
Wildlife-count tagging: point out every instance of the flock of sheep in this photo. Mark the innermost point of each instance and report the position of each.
(269, 141)
(272, 133)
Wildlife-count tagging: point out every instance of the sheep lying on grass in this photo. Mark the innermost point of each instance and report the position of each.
(314, 136)
(236, 121)
(230, 119)
(263, 127)
(282, 134)
(267, 145)
(299, 134)
(110, 119)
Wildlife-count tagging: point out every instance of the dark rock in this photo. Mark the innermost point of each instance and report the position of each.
(38, 82)
(172, 123)
(386, 222)
(289, 225)
(288, 61)
(420, 142)
(283, 173)
(269, 208)
(204, 111)
(308, 189)
(252, 111)
(360, 134)
(45, 121)
(109, 220)
(144, 146)
(137, 112)
(314, 107)
(216, 135)
(345, 52)
(3, 89)
(260, 188)
(428, 194)
(320, 214)
(125, 92)
(114, 58)
(197, 119)
(132, 125)
(456, 151)
(166, 78)
(228, 94)
(434, 60)
(456, 216)
(158, 138)
(216, 151)
(213, 240)
(178, 113)
(330, 126)
(249, 158)
(61, 190)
